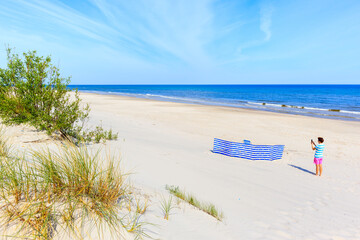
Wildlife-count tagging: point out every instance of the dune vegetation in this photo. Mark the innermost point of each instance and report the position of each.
(208, 208)
(166, 206)
(45, 193)
(68, 190)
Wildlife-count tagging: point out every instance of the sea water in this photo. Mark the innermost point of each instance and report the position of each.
(329, 101)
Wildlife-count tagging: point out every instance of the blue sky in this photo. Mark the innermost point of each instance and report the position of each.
(189, 42)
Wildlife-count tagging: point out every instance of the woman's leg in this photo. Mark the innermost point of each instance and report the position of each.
(317, 169)
(320, 168)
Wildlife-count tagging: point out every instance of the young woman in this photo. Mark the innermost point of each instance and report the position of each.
(319, 150)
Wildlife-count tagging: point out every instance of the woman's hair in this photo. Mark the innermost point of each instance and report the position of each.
(320, 139)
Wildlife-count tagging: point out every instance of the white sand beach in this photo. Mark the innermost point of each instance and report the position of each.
(165, 143)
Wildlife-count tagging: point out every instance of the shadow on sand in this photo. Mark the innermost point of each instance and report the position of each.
(302, 169)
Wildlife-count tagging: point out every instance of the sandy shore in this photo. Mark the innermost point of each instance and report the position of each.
(169, 143)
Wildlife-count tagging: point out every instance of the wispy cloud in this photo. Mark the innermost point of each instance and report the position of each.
(265, 21)
(262, 23)
(164, 29)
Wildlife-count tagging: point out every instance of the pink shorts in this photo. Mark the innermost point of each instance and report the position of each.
(318, 161)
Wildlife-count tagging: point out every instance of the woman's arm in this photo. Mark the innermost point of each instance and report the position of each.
(313, 145)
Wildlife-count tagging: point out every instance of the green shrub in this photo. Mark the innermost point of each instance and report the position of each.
(95, 135)
(33, 92)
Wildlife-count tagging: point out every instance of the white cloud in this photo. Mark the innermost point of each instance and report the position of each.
(265, 21)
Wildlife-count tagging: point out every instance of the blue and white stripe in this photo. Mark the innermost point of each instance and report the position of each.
(319, 153)
(248, 150)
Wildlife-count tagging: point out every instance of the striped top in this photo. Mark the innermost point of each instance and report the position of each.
(319, 153)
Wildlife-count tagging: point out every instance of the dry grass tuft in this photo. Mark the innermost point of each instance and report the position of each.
(209, 208)
(5, 147)
(166, 206)
(54, 192)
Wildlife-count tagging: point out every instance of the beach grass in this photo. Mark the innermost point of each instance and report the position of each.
(57, 191)
(166, 206)
(5, 147)
(208, 208)
(141, 206)
(132, 223)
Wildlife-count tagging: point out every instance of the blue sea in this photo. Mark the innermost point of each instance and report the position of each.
(327, 101)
